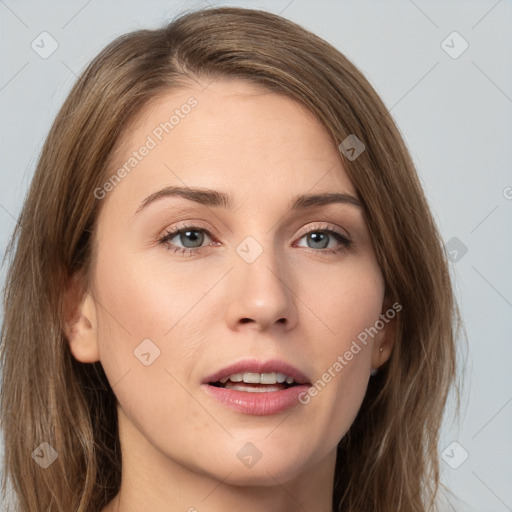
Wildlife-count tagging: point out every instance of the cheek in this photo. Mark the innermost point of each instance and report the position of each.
(143, 299)
(143, 318)
(345, 309)
(343, 300)
(146, 315)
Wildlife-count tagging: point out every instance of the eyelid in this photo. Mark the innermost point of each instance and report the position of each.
(188, 225)
(324, 226)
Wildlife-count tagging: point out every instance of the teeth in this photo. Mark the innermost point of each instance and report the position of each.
(268, 378)
(281, 377)
(259, 378)
(252, 378)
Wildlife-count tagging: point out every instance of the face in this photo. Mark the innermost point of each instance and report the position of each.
(190, 289)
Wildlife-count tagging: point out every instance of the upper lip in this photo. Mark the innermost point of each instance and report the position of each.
(255, 366)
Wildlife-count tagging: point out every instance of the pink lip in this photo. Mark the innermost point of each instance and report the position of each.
(258, 404)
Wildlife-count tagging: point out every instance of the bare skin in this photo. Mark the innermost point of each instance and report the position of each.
(296, 302)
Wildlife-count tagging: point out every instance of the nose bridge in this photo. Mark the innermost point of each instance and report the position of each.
(260, 262)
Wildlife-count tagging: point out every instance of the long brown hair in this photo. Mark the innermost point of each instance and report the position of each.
(389, 459)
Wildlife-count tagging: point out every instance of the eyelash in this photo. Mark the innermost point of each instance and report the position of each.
(169, 235)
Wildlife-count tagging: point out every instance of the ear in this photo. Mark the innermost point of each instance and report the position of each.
(385, 339)
(80, 325)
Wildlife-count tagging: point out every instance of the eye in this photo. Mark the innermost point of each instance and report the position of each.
(321, 238)
(192, 237)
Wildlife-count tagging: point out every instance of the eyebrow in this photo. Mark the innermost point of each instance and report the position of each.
(215, 198)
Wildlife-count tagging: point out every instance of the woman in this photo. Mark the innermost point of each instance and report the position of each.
(227, 290)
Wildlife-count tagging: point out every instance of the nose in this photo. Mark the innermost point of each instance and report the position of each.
(261, 293)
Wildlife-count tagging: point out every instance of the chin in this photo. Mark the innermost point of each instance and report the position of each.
(260, 470)
(260, 475)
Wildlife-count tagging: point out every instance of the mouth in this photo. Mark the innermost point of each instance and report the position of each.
(252, 382)
(257, 388)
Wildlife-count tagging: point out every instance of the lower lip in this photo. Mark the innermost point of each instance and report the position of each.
(257, 404)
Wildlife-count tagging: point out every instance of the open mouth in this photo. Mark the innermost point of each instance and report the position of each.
(257, 388)
(256, 382)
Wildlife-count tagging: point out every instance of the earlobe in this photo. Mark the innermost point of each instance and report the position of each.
(384, 342)
(80, 323)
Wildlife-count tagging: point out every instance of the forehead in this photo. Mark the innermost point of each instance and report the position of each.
(228, 134)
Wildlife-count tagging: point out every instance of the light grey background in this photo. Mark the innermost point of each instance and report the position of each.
(455, 115)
